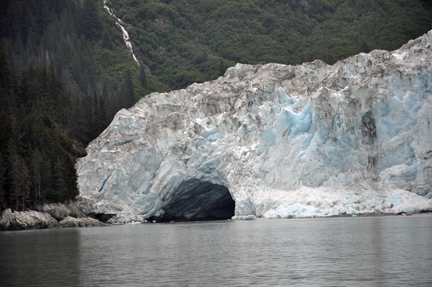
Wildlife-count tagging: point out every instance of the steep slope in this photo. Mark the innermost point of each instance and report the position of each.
(307, 140)
(193, 41)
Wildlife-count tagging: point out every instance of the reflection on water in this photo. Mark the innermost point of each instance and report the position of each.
(361, 251)
(34, 258)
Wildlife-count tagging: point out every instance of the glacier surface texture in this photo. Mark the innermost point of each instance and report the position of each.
(274, 141)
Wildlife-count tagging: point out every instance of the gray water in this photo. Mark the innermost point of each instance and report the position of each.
(358, 251)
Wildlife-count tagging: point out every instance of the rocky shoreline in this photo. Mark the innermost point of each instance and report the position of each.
(55, 215)
(74, 214)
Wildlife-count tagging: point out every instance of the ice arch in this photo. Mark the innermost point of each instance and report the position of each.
(197, 200)
(306, 140)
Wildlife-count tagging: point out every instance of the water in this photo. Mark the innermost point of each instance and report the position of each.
(124, 32)
(359, 251)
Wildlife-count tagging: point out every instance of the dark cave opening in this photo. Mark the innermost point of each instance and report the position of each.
(196, 200)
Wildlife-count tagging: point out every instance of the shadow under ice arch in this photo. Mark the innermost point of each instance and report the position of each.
(196, 200)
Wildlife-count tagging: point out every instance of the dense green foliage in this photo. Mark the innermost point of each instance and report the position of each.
(64, 76)
(79, 38)
(65, 70)
(37, 159)
(186, 41)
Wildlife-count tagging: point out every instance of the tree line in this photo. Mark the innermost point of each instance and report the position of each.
(82, 42)
(185, 41)
(64, 74)
(43, 131)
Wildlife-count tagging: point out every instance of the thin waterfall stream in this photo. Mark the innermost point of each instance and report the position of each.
(124, 32)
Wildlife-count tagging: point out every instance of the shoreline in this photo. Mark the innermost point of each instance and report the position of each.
(50, 216)
(38, 219)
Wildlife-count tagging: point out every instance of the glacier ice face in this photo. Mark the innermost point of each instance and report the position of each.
(282, 141)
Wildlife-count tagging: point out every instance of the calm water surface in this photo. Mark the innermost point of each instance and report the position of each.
(358, 251)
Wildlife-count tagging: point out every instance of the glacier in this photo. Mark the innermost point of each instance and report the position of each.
(274, 141)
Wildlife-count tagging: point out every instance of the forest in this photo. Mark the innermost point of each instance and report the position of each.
(186, 41)
(65, 70)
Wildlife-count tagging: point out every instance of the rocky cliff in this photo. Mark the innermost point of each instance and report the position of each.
(72, 214)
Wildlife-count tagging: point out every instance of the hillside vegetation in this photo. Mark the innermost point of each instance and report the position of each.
(186, 41)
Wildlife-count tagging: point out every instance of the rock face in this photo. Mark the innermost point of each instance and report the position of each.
(26, 220)
(71, 214)
(276, 140)
(80, 222)
(60, 211)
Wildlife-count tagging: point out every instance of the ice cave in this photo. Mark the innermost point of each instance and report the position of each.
(195, 200)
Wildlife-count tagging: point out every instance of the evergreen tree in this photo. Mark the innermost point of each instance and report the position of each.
(109, 99)
(19, 177)
(5, 132)
(89, 115)
(46, 177)
(36, 176)
(222, 67)
(7, 85)
(53, 87)
(90, 21)
(142, 76)
(37, 159)
(365, 48)
(71, 178)
(78, 129)
(3, 177)
(63, 108)
(59, 184)
(127, 95)
(101, 116)
(106, 40)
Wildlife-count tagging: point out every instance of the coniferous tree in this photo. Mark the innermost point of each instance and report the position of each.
(142, 76)
(109, 99)
(106, 40)
(222, 67)
(36, 176)
(6, 97)
(5, 132)
(101, 121)
(90, 21)
(3, 178)
(53, 86)
(89, 108)
(19, 177)
(71, 177)
(63, 108)
(365, 48)
(59, 184)
(46, 176)
(78, 125)
(127, 94)
(24, 182)
(37, 159)
(31, 46)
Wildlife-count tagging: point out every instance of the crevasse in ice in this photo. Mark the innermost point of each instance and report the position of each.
(306, 140)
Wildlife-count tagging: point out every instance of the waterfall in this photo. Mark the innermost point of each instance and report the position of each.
(124, 32)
